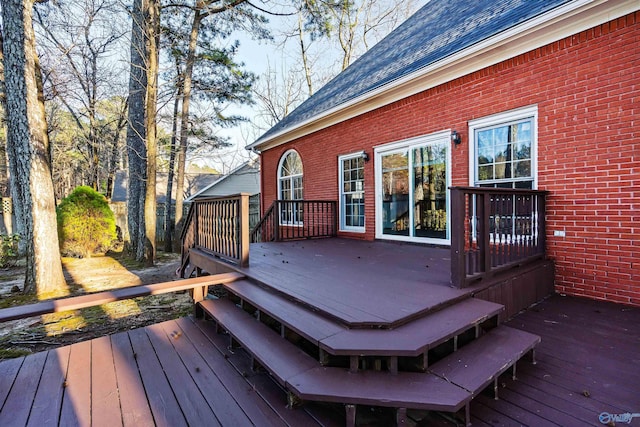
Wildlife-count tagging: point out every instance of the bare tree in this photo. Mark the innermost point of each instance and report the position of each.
(192, 49)
(28, 149)
(80, 40)
(358, 24)
(141, 129)
(277, 94)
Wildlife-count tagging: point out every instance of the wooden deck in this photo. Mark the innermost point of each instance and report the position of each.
(183, 373)
(588, 363)
(353, 281)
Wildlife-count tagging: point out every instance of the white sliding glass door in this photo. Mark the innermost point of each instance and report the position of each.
(412, 197)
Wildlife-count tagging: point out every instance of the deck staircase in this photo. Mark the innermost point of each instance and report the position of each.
(437, 362)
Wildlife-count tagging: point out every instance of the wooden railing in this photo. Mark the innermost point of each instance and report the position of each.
(197, 285)
(297, 219)
(494, 229)
(219, 226)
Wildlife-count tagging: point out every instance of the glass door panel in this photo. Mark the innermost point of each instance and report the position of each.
(430, 191)
(395, 194)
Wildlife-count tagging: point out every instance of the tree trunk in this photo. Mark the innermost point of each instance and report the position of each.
(115, 148)
(28, 144)
(305, 57)
(150, 206)
(136, 131)
(184, 121)
(169, 222)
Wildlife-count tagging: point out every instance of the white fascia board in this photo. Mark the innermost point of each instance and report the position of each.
(547, 28)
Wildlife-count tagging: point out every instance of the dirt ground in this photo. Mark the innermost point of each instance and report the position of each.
(84, 276)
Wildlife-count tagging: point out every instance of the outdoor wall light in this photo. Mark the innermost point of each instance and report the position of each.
(455, 137)
(365, 156)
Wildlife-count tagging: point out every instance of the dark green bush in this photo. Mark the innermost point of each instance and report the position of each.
(86, 224)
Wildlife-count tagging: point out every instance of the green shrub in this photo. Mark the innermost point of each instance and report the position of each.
(86, 224)
(8, 248)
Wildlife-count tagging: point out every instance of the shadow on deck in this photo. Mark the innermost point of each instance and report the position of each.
(183, 373)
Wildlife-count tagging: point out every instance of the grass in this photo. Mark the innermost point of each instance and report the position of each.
(13, 300)
(57, 329)
(12, 353)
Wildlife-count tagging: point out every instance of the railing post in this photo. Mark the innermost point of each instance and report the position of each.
(244, 230)
(484, 210)
(334, 207)
(276, 221)
(458, 209)
(542, 220)
(196, 220)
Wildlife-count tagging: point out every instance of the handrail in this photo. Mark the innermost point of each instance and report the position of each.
(297, 219)
(494, 229)
(264, 231)
(219, 226)
(90, 300)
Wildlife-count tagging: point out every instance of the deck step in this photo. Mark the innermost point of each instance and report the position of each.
(279, 357)
(303, 321)
(377, 388)
(416, 337)
(301, 374)
(410, 339)
(482, 361)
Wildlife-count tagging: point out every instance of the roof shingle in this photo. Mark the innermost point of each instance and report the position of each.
(439, 29)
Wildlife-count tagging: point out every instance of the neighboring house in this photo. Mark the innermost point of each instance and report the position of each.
(193, 183)
(503, 93)
(243, 179)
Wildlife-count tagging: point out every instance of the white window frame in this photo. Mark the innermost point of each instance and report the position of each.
(295, 221)
(341, 193)
(409, 144)
(506, 117)
(528, 112)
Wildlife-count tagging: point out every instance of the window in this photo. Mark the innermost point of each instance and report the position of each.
(412, 181)
(351, 169)
(503, 155)
(290, 187)
(503, 149)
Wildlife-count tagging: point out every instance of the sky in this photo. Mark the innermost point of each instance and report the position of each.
(258, 56)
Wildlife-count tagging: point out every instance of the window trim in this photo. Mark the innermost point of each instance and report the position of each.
(284, 155)
(408, 144)
(341, 207)
(530, 111)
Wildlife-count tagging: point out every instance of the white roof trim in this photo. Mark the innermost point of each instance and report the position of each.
(554, 25)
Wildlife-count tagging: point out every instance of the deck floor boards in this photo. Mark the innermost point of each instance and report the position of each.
(135, 408)
(225, 409)
(581, 370)
(45, 409)
(321, 274)
(76, 404)
(164, 405)
(81, 382)
(25, 385)
(104, 398)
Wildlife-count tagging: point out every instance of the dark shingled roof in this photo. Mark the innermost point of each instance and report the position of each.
(441, 28)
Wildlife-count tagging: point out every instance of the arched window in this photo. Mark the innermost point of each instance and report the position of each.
(290, 187)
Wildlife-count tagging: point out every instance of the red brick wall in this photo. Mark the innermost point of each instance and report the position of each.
(587, 90)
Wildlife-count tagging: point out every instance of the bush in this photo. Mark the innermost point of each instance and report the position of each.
(86, 224)
(8, 248)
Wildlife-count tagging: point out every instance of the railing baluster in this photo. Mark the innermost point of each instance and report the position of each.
(219, 225)
(493, 229)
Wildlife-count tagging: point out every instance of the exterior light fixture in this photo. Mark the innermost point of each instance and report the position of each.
(365, 156)
(455, 137)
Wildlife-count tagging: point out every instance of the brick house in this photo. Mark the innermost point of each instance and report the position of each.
(501, 93)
